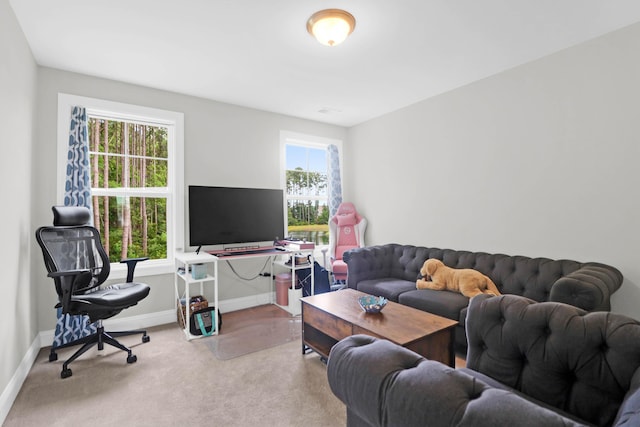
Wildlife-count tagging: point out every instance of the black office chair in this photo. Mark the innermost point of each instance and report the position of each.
(78, 264)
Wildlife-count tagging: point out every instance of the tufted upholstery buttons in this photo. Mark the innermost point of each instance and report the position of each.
(555, 353)
(475, 394)
(391, 270)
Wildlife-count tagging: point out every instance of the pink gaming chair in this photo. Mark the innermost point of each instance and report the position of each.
(346, 231)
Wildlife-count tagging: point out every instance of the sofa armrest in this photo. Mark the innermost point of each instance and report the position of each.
(383, 384)
(372, 262)
(389, 261)
(589, 288)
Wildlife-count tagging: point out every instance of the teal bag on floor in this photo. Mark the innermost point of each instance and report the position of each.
(203, 323)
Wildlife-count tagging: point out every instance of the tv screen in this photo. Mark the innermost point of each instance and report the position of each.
(230, 215)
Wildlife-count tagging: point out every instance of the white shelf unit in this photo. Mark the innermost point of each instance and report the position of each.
(186, 261)
(295, 306)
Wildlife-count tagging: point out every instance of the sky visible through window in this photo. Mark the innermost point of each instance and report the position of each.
(298, 156)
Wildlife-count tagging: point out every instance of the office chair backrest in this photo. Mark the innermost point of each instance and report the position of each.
(347, 230)
(72, 245)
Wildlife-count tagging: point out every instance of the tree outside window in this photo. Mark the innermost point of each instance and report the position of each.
(307, 193)
(129, 180)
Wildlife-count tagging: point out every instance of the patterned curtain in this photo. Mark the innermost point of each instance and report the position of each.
(77, 192)
(335, 185)
(77, 186)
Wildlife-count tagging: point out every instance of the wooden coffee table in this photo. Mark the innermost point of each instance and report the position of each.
(327, 318)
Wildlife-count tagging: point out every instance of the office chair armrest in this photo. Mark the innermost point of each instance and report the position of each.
(70, 281)
(67, 273)
(131, 266)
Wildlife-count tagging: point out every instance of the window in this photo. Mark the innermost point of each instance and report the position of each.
(136, 178)
(129, 186)
(306, 183)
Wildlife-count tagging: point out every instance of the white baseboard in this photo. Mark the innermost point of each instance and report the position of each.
(167, 316)
(245, 302)
(10, 392)
(124, 323)
(45, 338)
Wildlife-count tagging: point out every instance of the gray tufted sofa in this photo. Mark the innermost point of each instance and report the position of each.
(391, 271)
(528, 364)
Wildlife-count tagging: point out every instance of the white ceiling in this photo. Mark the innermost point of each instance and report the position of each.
(257, 53)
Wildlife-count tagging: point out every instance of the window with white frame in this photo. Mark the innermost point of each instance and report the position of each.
(305, 178)
(135, 156)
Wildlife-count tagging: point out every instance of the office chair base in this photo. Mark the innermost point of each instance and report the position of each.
(100, 338)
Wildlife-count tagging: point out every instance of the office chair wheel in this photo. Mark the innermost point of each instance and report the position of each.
(146, 338)
(53, 356)
(66, 373)
(132, 358)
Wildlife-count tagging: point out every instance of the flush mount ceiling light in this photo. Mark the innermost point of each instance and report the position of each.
(331, 26)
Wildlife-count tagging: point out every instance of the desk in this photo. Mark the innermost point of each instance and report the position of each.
(185, 260)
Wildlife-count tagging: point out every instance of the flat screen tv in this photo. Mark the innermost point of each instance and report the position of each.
(231, 215)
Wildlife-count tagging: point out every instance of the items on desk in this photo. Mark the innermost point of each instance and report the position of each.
(299, 245)
(198, 271)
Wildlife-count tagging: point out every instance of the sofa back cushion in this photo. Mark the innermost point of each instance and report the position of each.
(518, 275)
(579, 362)
(384, 261)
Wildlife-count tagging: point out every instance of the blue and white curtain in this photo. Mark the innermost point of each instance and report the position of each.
(77, 186)
(335, 185)
(77, 192)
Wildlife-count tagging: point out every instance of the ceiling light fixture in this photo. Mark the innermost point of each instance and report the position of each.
(331, 26)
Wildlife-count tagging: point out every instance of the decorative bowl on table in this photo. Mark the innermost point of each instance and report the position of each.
(371, 304)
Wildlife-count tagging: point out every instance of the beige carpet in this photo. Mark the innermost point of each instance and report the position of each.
(178, 382)
(256, 329)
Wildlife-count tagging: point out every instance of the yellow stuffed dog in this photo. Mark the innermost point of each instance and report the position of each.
(466, 281)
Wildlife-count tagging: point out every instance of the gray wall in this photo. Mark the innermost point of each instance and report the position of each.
(541, 160)
(18, 317)
(224, 145)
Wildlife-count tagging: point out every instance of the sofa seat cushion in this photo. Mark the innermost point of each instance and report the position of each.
(390, 288)
(442, 303)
